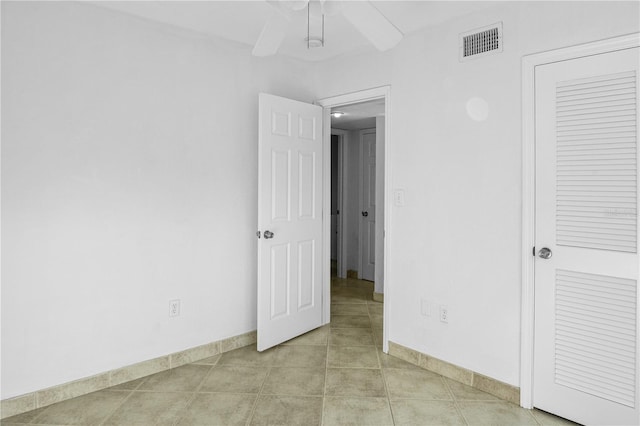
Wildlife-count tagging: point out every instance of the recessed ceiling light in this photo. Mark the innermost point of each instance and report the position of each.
(337, 114)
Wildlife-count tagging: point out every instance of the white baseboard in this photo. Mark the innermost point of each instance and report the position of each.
(42, 398)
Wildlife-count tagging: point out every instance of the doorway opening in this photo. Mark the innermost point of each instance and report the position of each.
(356, 186)
(356, 133)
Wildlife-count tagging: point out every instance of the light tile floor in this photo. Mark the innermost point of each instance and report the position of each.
(335, 375)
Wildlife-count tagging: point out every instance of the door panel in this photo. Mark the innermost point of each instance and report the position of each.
(279, 280)
(289, 207)
(306, 278)
(307, 185)
(586, 299)
(280, 176)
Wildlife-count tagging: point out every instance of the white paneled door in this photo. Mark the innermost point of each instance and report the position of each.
(586, 267)
(368, 203)
(289, 219)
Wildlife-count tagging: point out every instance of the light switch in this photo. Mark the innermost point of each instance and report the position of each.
(425, 308)
(398, 197)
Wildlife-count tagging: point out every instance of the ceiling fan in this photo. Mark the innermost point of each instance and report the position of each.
(361, 14)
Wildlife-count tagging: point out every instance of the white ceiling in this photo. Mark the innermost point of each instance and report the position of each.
(242, 21)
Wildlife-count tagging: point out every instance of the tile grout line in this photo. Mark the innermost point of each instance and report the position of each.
(535, 419)
(326, 373)
(194, 393)
(266, 377)
(382, 370)
(131, 392)
(386, 386)
(124, 400)
(455, 401)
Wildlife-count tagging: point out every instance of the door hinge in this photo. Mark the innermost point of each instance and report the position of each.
(258, 234)
(533, 252)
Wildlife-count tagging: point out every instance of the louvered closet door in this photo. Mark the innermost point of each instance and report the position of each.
(586, 298)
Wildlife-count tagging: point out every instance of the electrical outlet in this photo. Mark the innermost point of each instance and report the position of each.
(174, 308)
(444, 314)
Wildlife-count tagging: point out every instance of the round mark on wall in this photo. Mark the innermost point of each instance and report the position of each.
(477, 109)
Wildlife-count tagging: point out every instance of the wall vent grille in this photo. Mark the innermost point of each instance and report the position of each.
(481, 42)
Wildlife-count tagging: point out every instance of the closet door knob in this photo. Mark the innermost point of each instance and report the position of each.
(545, 253)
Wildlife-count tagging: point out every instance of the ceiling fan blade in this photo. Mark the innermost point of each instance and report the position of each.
(331, 7)
(296, 5)
(286, 7)
(271, 36)
(372, 24)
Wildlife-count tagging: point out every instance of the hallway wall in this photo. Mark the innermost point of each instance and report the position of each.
(457, 239)
(352, 199)
(129, 178)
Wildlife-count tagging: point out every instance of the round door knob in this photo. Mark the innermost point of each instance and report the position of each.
(365, 214)
(545, 253)
(268, 234)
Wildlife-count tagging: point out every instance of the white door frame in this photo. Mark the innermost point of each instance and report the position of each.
(383, 92)
(342, 221)
(529, 63)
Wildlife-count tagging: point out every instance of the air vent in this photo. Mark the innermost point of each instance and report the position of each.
(481, 42)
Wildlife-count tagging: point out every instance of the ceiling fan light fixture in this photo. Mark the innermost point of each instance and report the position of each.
(362, 15)
(315, 25)
(314, 42)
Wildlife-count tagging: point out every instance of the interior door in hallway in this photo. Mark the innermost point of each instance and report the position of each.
(289, 219)
(586, 267)
(368, 203)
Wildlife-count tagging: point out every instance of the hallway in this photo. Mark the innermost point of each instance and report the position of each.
(335, 375)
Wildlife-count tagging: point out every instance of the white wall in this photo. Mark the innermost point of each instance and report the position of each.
(457, 239)
(129, 178)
